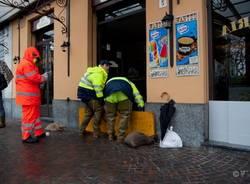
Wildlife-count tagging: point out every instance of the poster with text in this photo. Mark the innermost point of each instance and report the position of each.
(158, 50)
(187, 54)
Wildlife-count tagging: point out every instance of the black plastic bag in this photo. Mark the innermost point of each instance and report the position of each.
(3, 82)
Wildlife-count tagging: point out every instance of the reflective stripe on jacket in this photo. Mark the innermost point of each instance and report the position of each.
(116, 91)
(28, 80)
(94, 79)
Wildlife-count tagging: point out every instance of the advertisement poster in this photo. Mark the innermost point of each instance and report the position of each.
(158, 50)
(187, 54)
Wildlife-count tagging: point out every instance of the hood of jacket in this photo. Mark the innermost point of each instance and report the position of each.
(96, 69)
(31, 53)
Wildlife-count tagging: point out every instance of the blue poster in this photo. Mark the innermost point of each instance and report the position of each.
(158, 51)
(187, 60)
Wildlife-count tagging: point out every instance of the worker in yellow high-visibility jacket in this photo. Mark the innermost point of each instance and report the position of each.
(120, 93)
(90, 91)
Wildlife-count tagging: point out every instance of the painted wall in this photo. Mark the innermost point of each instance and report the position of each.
(191, 89)
(80, 48)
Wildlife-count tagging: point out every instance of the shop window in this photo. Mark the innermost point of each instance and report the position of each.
(231, 50)
(3, 42)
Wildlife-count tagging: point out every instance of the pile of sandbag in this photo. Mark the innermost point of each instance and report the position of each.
(136, 139)
(55, 127)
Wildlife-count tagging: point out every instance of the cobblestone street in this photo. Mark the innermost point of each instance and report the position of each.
(65, 157)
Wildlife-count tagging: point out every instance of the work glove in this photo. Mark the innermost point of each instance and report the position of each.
(42, 85)
(140, 108)
(45, 76)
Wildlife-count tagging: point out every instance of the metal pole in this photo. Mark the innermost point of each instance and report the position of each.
(19, 40)
(171, 36)
(68, 34)
(46, 70)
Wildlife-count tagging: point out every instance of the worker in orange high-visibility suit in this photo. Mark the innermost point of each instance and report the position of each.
(28, 82)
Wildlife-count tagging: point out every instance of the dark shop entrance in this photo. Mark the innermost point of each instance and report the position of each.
(121, 39)
(43, 32)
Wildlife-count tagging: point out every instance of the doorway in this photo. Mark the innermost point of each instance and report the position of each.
(230, 67)
(45, 44)
(121, 39)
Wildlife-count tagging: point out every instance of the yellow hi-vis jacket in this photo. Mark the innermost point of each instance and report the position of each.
(94, 79)
(119, 93)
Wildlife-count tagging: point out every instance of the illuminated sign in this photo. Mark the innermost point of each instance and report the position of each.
(235, 25)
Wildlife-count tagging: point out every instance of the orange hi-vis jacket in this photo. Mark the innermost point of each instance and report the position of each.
(28, 79)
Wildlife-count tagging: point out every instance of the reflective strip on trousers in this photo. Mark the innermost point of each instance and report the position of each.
(27, 94)
(38, 124)
(27, 127)
(38, 127)
(28, 74)
(27, 131)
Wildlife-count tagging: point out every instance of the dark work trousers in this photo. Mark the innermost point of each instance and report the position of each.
(125, 110)
(2, 112)
(93, 108)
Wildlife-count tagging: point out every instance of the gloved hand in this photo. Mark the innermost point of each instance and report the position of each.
(140, 108)
(42, 85)
(45, 76)
(49, 73)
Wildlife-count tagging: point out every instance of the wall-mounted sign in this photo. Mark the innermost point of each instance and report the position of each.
(187, 54)
(235, 25)
(158, 50)
(163, 3)
(41, 23)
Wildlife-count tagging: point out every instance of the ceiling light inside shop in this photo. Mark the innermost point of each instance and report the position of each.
(123, 11)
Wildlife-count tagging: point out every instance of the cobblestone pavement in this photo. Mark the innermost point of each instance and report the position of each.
(66, 157)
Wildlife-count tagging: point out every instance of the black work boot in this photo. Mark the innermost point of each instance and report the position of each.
(41, 136)
(2, 121)
(111, 137)
(31, 140)
(83, 132)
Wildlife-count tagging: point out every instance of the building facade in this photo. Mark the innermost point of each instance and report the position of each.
(178, 59)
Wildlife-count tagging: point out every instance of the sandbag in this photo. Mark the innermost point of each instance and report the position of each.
(136, 139)
(54, 127)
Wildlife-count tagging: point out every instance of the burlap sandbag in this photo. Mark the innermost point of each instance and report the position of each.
(136, 139)
(55, 127)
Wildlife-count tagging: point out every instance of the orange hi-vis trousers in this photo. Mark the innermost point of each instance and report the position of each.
(31, 124)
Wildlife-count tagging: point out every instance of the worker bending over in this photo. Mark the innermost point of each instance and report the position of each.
(120, 93)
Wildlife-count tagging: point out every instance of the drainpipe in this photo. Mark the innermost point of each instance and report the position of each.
(16, 59)
(68, 34)
(171, 49)
(19, 39)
